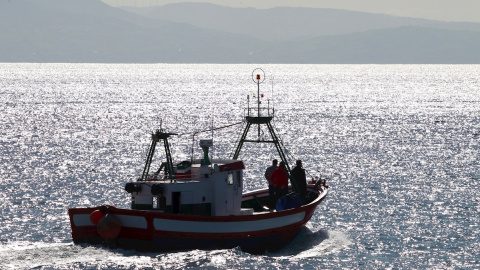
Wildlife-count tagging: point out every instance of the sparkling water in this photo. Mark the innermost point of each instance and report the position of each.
(399, 144)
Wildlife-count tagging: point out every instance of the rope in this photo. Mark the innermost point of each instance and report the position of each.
(287, 151)
(211, 129)
(283, 145)
(207, 130)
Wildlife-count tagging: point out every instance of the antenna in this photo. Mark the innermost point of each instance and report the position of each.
(258, 76)
(248, 105)
(213, 147)
(213, 116)
(272, 93)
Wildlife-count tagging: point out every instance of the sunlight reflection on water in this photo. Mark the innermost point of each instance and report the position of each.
(400, 144)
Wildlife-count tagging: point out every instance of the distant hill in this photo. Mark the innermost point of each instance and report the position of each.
(285, 23)
(91, 31)
(405, 45)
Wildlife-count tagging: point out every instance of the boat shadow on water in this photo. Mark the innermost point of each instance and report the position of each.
(306, 240)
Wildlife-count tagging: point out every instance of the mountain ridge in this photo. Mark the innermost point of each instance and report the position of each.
(91, 31)
(288, 22)
(402, 45)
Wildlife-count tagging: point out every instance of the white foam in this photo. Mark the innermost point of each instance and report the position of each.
(333, 243)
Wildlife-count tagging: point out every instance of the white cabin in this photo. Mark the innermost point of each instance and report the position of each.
(201, 187)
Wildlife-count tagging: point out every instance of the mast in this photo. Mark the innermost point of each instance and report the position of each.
(156, 137)
(262, 119)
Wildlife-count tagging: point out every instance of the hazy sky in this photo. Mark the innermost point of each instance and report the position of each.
(446, 10)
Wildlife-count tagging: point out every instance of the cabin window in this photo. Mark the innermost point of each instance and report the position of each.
(230, 179)
(155, 202)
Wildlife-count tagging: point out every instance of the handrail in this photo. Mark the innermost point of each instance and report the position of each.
(190, 177)
(260, 112)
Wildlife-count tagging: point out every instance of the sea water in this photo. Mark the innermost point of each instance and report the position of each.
(398, 143)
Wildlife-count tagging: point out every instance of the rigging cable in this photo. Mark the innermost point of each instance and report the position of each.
(286, 150)
(207, 130)
(210, 129)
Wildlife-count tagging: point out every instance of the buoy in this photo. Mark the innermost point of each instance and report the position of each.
(95, 216)
(109, 227)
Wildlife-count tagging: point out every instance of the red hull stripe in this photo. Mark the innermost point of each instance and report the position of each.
(226, 227)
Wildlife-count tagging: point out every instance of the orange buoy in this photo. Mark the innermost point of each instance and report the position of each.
(109, 227)
(95, 216)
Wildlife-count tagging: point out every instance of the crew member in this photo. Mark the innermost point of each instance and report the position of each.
(271, 187)
(280, 179)
(298, 175)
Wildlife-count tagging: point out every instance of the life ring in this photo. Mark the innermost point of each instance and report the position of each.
(96, 216)
(109, 226)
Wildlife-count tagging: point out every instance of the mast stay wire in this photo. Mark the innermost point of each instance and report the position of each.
(207, 130)
(210, 129)
(288, 152)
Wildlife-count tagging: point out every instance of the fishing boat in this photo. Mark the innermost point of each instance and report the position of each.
(200, 203)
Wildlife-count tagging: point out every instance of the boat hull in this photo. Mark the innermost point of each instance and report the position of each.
(153, 230)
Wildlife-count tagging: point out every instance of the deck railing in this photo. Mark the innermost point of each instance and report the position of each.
(260, 112)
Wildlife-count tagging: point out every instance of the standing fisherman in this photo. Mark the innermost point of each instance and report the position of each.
(298, 175)
(280, 180)
(271, 186)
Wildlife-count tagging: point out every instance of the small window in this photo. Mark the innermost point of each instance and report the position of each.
(230, 179)
(155, 202)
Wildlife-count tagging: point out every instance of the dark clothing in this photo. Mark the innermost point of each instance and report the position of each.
(268, 173)
(271, 186)
(271, 196)
(298, 175)
(279, 192)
